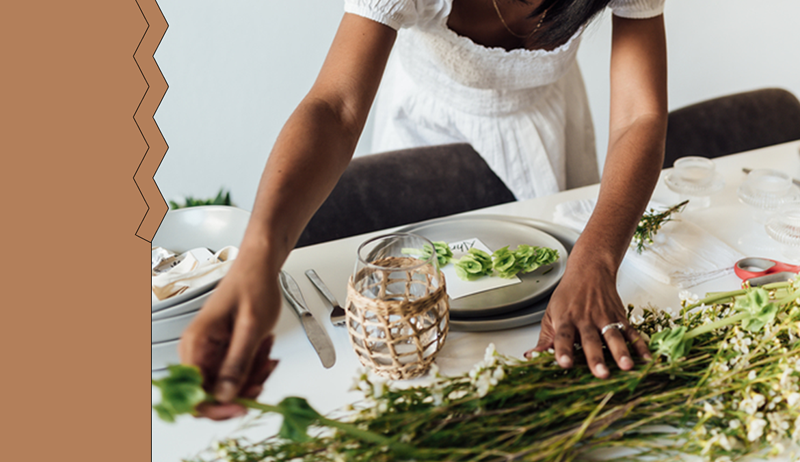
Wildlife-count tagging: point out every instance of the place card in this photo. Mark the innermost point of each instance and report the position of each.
(457, 287)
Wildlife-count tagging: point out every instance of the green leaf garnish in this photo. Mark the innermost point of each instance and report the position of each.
(181, 391)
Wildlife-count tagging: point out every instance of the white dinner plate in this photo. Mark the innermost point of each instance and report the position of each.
(530, 314)
(498, 233)
(209, 226)
(164, 330)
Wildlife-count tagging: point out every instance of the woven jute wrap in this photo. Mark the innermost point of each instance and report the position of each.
(397, 333)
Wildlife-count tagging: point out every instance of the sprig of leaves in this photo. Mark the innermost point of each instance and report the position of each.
(222, 198)
(651, 222)
(475, 264)
(182, 390)
(443, 252)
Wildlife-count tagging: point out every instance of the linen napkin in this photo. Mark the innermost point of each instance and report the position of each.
(682, 254)
(175, 274)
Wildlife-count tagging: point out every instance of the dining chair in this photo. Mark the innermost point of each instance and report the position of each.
(400, 187)
(732, 123)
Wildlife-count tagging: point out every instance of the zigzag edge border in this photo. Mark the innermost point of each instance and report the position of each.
(144, 117)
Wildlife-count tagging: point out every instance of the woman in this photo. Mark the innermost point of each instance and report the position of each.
(500, 74)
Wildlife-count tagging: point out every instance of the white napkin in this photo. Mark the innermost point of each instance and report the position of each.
(682, 254)
(187, 272)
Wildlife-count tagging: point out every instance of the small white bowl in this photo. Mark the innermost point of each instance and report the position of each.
(210, 226)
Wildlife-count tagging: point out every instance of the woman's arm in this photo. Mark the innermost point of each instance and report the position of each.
(587, 299)
(230, 337)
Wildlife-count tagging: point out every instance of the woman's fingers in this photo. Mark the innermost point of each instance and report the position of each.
(638, 342)
(233, 372)
(220, 411)
(592, 345)
(619, 350)
(564, 342)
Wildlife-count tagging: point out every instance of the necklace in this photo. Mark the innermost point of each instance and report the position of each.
(538, 25)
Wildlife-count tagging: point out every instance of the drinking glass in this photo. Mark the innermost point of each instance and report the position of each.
(397, 306)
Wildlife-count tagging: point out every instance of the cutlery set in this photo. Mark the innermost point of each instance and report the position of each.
(316, 334)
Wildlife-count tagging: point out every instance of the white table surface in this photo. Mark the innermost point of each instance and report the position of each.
(301, 374)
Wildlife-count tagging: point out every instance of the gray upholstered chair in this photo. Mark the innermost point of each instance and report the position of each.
(733, 123)
(407, 186)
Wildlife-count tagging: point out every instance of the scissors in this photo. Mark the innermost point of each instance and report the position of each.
(759, 271)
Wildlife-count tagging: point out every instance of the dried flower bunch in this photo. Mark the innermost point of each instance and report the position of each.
(725, 382)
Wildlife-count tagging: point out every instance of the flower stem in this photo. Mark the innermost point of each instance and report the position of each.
(700, 330)
(352, 430)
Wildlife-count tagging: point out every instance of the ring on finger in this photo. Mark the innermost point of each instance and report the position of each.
(614, 325)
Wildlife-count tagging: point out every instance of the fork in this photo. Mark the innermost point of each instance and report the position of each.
(337, 313)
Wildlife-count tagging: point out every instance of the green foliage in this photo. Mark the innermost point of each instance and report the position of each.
(473, 265)
(298, 415)
(181, 391)
(670, 343)
(651, 222)
(524, 259)
(222, 198)
(758, 306)
(443, 253)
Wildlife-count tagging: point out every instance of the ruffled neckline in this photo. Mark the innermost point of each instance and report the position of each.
(499, 52)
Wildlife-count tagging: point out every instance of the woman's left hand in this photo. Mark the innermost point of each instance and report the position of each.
(583, 304)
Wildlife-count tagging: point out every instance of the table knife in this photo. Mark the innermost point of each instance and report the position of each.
(337, 313)
(316, 335)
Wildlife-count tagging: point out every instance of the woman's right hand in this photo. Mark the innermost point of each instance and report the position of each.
(230, 339)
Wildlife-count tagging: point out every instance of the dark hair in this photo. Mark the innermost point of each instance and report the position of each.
(563, 19)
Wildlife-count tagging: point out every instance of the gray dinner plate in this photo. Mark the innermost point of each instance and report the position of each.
(498, 233)
(531, 313)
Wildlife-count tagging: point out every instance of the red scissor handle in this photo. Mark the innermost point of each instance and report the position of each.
(753, 267)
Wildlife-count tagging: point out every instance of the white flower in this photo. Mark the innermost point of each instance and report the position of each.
(483, 384)
(490, 356)
(688, 298)
(751, 375)
(752, 404)
(734, 424)
(777, 422)
(755, 428)
(378, 388)
(793, 399)
(434, 370)
(710, 411)
(498, 374)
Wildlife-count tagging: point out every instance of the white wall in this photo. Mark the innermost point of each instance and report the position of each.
(236, 70)
(715, 47)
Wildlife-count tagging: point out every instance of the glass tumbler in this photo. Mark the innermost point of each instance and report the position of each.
(397, 306)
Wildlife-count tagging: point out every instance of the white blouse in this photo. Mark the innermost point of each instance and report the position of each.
(525, 111)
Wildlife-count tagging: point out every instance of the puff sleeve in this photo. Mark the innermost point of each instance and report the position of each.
(637, 9)
(396, 14)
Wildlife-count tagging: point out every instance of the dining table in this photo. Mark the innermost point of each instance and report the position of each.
(300, 372)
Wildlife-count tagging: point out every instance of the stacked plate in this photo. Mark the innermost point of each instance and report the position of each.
(511, 306)
(212, 227)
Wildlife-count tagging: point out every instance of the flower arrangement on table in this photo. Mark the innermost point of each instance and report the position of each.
(725, 381)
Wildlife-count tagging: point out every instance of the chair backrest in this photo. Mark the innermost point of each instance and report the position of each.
(733, 123)
(400, 187)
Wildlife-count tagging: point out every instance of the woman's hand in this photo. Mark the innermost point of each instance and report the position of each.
(230, 339)
(584, 302)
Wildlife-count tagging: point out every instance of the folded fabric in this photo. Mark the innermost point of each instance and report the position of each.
(177, 274)
(682, 254)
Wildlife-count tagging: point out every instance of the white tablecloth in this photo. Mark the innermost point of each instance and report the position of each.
(301, 374)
